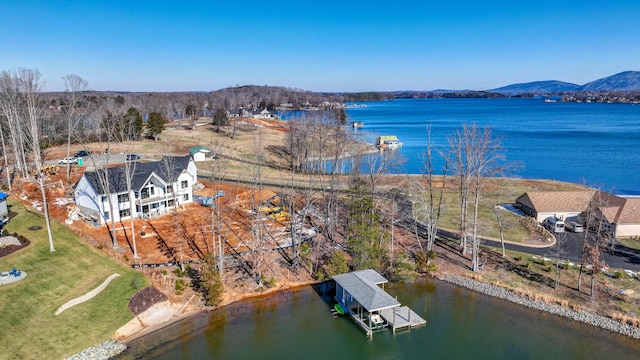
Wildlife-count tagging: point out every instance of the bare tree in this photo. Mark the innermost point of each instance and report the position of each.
(30, 87)
(433, 194)
(104, 128)
(559, 253)
(503, 223)
(594, 236)
(258, 236)
(128, 131)
(74, 86)
(218, 239)
(5, 166)
(477, 156)
(11, 104)
(381, 163)
(459, 148)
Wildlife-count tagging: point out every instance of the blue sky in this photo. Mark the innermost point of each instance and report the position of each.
(142, 45)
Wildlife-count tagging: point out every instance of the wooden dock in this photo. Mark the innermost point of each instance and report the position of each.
(402, 317)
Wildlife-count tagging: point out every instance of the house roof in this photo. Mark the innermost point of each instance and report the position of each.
(630, 213)
(198, 149)
(609, 205)
(615, 209)
(363, 286)
(550, 201)
(167, 170)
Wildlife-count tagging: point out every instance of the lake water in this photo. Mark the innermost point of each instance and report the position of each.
(587, 143)
(461, 324)
(594, 144)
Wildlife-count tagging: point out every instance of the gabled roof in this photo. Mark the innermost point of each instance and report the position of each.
(166, 170)
(560, 201)
(198, 149)
(615, 209)
(363, 286)
(608, 204)
(630, 213)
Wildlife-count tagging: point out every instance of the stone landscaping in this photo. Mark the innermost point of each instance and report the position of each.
(582, 316)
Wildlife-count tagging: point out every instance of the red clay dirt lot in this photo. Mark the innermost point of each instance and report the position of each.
(181, 235)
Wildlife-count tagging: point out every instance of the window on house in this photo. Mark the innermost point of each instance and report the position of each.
(152, 190)
(144, 193)
(104, 198)
(168, 190)
(170, 202)
(186, 197)
(123, 198)
(125, 212)
(106, 215)
(184, 184)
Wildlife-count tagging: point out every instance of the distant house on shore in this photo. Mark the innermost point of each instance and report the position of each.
(250, 113)
(264, 114)
(156, 187)
(618, 215)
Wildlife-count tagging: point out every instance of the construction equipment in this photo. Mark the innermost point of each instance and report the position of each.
(209, 200)
(46, 170)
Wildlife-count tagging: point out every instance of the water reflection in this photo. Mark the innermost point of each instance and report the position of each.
(460, 324)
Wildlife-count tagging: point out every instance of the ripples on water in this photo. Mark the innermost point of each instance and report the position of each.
(461, 324)
(592, 144)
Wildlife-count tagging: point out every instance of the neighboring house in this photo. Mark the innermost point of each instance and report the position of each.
(4, 210)
(628, 221)
(565, 205)
(263, 114)
(239, 113)
(200, 153)
(616, 214)
(156, 188)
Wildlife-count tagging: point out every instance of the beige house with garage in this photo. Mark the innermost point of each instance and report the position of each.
(618, 215)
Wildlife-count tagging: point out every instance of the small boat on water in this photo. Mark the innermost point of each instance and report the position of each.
(339, 309)
(388, 142)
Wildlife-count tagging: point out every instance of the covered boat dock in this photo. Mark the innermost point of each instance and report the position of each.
(372, 308)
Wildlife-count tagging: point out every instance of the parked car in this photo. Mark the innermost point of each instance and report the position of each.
(82, 153)
(68, 160)
(574, 227)
(132, 157)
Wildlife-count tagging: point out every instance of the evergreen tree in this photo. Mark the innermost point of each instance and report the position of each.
(211, 281)
(155, 124)
(366, 239)
(130, 128)
(337, 264)
(220, 118)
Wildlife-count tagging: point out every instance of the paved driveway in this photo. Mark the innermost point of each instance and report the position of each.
(96, 159)
(569, 245)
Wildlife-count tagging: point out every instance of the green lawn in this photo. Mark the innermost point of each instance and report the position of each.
(28, 327)
(630, 243)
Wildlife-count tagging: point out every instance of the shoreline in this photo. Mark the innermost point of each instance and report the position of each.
(164, 321)
(584, 317)
(119, 345)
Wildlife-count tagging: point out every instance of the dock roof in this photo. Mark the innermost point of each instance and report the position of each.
(363, 286)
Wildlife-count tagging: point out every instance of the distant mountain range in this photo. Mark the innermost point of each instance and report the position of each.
(624, 81)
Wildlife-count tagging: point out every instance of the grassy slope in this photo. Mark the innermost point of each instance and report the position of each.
(28, 327)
